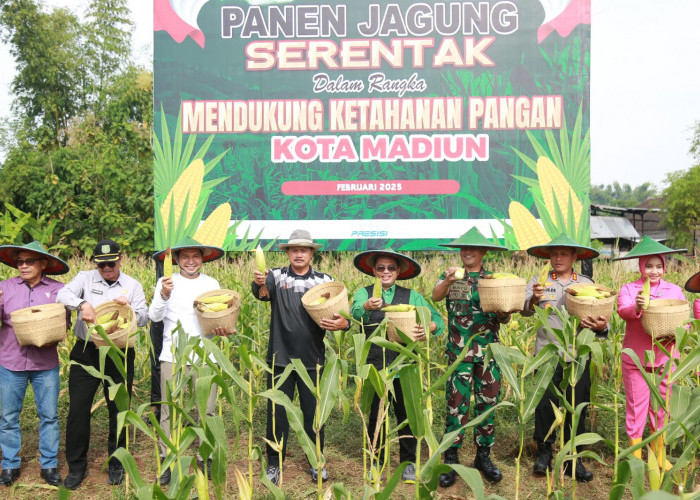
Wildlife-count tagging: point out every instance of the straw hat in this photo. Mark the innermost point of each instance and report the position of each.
(648, 246)
(693, 283)
(299, 238)
(209, 252)
(408, 268)
(8, 255)
(544, 251)
(473, 238)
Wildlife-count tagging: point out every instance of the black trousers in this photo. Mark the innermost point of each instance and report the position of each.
(157, 343)
(407, 443)
(81, 392)
(307, 402)
(544, 415)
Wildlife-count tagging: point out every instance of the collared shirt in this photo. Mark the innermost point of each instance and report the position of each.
(179, 307)
(293, 334)
(359, 312)
(91, 286)
(554, 297)
(16, 294)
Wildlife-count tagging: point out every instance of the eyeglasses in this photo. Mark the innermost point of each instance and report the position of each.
(102, 265)
(29, 262)
(381, 269)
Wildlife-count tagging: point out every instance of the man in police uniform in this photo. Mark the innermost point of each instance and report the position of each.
(86, 291)
(562, 252)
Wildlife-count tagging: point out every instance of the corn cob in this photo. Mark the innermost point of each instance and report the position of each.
(216, 307)
(528, 232)
(213, 299)
(504, 276)
(556, 189)
(377, 290)
(544, 274)
(646, 292)
(110, 316)
(187, 187)
(214, 228)
(260, 259)
(167, 263)
(459, 273)
(399, 308)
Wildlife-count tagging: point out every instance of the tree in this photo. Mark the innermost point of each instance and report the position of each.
(682, 203)
(623, 195)
(48, 87)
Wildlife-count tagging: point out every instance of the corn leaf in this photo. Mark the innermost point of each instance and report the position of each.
(412, 388)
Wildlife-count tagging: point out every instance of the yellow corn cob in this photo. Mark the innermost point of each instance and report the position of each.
(504, 276)
(167, 263)
(646, 292)
(318, 301)
(214, 228)
(556, 189)
(399, 308)
(123, 325)
(187, 187)
(459, 273)
(213, 299)
(109, 324)
(528, 232)
(260, 264)
(216, 307)
(377, 290)
(107, 317)
(544, 274)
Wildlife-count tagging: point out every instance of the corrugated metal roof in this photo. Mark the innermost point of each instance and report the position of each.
(612, 227)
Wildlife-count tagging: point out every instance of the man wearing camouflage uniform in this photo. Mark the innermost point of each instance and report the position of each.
(465, 319)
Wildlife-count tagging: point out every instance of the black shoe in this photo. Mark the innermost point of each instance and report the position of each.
(9, 476)
(582, 474)
(447, 479)
(544, 459)
(165, 476)
(73, 479)
(115, 474)
(51, 476)
(200, 464)
(273, 474)
(483, 463)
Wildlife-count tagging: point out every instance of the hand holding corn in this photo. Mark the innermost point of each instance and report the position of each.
(373, 303)
(167, 285)
(454, 274)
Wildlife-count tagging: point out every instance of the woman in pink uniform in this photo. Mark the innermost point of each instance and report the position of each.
(693, 286)
(652, 264)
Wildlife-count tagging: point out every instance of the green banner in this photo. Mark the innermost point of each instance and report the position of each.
(371, 123)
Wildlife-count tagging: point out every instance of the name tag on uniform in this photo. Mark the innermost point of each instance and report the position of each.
(96, 292)
(460, 290)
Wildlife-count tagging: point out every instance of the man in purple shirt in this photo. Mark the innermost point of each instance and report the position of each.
(22, 364)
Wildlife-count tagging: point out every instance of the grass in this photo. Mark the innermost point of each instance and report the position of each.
(343, 437)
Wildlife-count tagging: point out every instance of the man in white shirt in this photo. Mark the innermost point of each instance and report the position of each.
(85, 291)
(172, 302)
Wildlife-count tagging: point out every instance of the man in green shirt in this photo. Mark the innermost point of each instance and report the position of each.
(465, 318)
(389, 266)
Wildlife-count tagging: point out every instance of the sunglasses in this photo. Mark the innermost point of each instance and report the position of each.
(29, 262)
(381, 269)
(102, 265)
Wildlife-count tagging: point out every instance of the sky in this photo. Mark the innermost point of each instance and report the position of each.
(644, 84)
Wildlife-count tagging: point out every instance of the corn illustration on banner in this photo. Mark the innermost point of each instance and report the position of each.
(403, 123)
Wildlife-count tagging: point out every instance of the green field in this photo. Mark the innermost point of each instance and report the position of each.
(244, 418)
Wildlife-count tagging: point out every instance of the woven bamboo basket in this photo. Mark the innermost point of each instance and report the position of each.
(228, 318)
(663, 316)
(503, 295)
(582, 308)
(39, 325)
(404, 321)
(123, 335)
(336, 302)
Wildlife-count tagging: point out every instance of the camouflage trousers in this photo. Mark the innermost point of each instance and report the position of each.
(487, 385)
